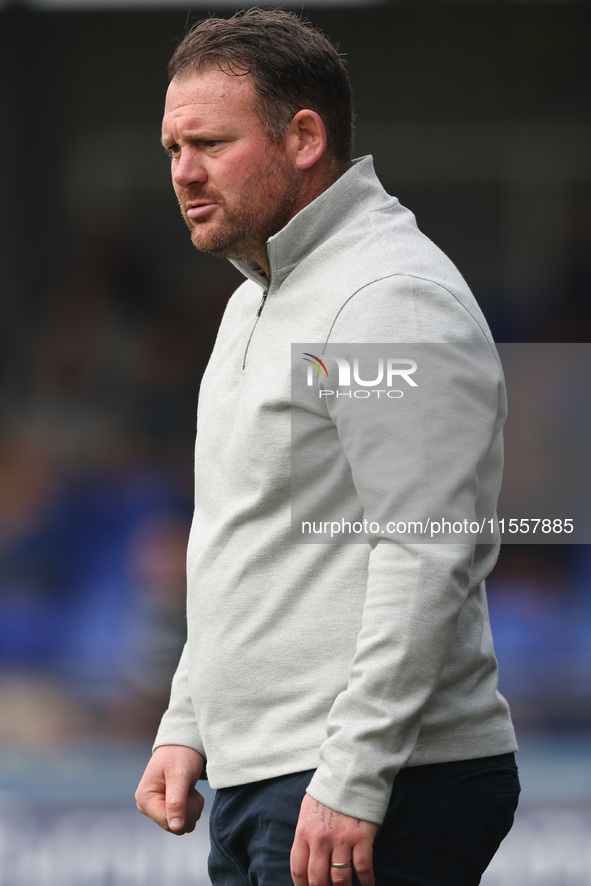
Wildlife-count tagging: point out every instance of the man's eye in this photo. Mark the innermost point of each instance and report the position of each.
(173, 150)
(212, 143)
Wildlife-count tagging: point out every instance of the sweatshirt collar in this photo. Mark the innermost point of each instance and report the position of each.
(355, 191)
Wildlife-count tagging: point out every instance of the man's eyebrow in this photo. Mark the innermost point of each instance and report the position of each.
(198, 139)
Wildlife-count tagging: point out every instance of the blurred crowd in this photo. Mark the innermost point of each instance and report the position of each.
(98, 412)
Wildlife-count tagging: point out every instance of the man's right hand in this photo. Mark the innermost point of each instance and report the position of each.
(167, 794)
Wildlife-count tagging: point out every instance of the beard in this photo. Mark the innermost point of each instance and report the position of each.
(266, 204)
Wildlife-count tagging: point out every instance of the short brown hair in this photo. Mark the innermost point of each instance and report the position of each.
(292, 65)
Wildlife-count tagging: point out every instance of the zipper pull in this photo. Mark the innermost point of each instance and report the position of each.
(262, 304)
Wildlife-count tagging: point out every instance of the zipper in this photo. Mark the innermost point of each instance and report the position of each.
(259, 312)
(262, 304)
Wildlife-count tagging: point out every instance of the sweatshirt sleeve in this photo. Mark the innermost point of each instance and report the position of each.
(179, 725)
(428, 459)
(414, 596)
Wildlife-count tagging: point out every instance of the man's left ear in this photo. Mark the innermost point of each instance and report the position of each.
(306, 137)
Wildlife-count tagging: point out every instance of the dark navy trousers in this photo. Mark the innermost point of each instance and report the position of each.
(443, 825)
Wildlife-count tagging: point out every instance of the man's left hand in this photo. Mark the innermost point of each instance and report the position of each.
(324, 837)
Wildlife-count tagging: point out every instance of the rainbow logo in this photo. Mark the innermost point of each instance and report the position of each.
(317, 362)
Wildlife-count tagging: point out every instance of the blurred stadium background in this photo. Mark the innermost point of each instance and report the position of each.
(477, 113)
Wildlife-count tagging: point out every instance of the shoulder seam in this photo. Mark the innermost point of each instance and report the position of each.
(413, 277)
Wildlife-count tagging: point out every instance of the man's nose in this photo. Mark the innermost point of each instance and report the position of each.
(188, 170)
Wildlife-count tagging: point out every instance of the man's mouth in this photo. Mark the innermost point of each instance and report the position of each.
(199, 208)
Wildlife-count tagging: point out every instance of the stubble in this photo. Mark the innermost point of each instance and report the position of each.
(262, 210)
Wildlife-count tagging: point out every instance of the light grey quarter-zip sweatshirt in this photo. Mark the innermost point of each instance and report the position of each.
(351, 659)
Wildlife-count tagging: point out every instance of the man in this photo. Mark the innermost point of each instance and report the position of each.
(343, 696)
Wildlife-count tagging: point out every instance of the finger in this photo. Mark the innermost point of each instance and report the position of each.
(194, 809)
(177, 803)
(340, 876)
(299, 862)
(153, 805)
(319, 866)
(363, 863)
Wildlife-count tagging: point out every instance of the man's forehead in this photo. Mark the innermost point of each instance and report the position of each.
(212, 86)
(211, 97)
